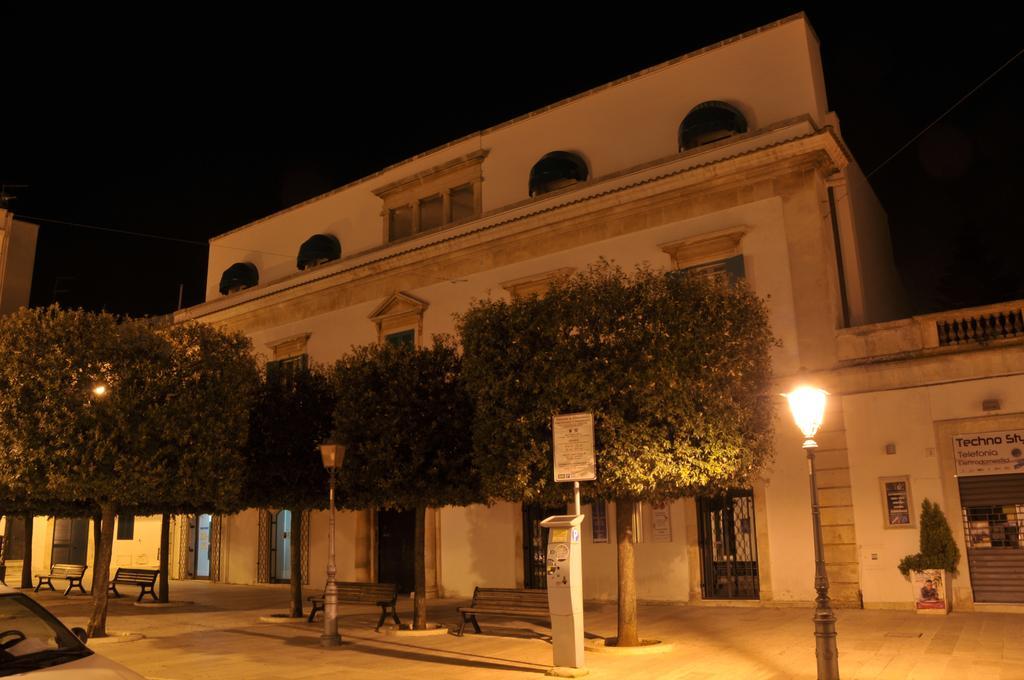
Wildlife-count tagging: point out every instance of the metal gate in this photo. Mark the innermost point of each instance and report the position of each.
(728, 546)
(535, 544)
(993, 513)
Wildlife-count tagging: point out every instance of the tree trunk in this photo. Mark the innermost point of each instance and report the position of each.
(26, 564)
(165, 548)
(101, 577)
(627, 635)
(97, 536)
(295, 582)
(419, 615)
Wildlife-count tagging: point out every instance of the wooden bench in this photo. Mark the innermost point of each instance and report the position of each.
(73, 573)
(530, 604)
(383, 595)
(145, 579)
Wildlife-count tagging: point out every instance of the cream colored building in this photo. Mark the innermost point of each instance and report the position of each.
(17, 260)
(54, 539)
(727, 157)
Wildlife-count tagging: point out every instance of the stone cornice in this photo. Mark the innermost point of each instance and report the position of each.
(454, 165)
(700, 248)
(924, 371)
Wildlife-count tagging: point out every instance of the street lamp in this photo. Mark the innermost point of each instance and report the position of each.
(100, 390)
(333, 455)
(808, 407)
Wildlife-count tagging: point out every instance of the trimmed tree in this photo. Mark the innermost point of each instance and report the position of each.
(210, 383)
(291, 417)
(405, 419)
(675, 369)
(22, 511)
(167, 424)
(938, 549)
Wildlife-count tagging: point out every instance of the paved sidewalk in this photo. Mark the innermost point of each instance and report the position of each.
(219, 636)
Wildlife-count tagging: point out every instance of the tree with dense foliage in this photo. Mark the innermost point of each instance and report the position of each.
(291, 416)
(938, 549)
(120, 414)
(675, 369)
(405, 419)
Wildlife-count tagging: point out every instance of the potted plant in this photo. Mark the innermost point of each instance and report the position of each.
(931, 569)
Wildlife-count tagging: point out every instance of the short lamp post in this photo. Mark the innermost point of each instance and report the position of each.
(333, 455)
(808, 407)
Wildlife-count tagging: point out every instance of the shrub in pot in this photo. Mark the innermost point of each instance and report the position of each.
(931, 569)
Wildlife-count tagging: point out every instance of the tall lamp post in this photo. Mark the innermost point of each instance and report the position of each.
(808, 407)
(333, 455)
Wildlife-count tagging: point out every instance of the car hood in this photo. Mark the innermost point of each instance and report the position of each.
(93, 667)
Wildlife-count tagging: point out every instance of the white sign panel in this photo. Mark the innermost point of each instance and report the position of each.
(989, 453)
(573, 440)
(661, 523)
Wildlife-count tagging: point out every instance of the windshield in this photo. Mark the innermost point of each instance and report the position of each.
(30, 637)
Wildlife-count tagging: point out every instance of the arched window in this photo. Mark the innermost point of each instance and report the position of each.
(710, 122)
(556, 170)
(239, 276)
(317, 250)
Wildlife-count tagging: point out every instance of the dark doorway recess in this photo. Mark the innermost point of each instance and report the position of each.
(396, 535)
(728, 546)
(70, 541)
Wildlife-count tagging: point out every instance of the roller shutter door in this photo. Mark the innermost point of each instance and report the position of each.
(993, 513)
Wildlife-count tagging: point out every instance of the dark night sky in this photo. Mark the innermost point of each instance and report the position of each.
(193, 134)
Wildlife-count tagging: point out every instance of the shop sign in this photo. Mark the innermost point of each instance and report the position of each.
(989, 453)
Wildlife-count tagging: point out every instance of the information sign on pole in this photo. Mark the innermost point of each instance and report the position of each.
(573, 439)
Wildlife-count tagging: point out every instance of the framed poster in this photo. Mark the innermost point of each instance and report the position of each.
(929, 589)
(897, 506)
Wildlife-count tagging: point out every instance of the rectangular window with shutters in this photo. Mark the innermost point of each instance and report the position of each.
(125, 527)
(419, 205)
(401, 339)
(732, 266)
(400, 222)
(463, 203)
(431, 212)
(599, 521)
(283, 368)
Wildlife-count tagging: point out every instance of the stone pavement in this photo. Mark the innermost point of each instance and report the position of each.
(219, 636)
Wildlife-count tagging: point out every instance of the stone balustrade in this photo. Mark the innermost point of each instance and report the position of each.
(954, 330)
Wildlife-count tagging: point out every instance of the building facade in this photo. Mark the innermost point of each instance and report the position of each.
(17, 260)
(725, 158)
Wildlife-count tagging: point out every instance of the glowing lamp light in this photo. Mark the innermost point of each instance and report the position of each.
(333, 455)
(100, 390)
(807, 404)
